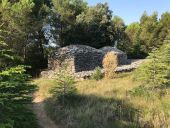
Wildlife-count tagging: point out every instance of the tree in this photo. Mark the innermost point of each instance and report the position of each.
(120, 35)
(68, 10)
(94, 27)
(119, 27)
(155, 72)
(15, 92)
(7, 57)
(134, 48)
(23, 20)
(65, 85)
(133, 31)
(165, 49)
(148, 34)
(16, 20)
(163, 28)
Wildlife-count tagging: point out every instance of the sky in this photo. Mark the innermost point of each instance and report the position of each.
(131, 10)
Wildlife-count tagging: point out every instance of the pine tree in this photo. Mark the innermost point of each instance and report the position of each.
(14, 96)
(166, 60)
(65, 85)
(15, 92)
(155, 73)
(5, 52)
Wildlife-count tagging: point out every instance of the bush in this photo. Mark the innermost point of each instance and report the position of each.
(110, 62)
(65, 85)
(97, 75)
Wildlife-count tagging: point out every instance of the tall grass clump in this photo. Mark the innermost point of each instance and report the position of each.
(110, 62)
(97, 75)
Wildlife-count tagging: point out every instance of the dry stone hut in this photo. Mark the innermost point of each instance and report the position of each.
(78, 58)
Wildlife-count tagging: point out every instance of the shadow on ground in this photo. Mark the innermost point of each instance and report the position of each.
(82, 111)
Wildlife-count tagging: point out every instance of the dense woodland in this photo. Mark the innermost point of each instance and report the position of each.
(30, 29)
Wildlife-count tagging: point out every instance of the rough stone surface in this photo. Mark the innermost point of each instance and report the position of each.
(80, 59)
(134, 63)
(77, 58)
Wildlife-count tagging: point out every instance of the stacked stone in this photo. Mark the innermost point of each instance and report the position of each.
(77, 58)
(80, 60)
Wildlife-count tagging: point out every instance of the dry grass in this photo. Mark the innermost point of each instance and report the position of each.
(110, 62)
(106, 104)
(107, 87)
(44, 85)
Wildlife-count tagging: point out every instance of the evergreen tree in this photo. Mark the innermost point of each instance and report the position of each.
(163, 28)
(6, 54)
(14, 96)
(24, 21)
(65, 85)
(5, 57)
(148, 34)
(15, 92)
(155, 72)
(134, 47)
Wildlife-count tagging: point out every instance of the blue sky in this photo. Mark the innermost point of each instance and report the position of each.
(131, 10)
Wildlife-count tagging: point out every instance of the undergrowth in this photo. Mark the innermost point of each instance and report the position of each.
(108, 103)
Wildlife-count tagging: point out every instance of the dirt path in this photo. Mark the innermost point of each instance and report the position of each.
(38, 107)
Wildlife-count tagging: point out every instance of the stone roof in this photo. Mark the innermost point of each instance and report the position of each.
(73, 50)
(107, 49)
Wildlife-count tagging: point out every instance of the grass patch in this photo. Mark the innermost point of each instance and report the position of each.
(107, 103)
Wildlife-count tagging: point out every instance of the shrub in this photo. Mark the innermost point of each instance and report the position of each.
(65, 85)
(97, 75)
(110, 62)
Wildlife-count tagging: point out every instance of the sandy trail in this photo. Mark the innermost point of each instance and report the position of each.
(38, 107)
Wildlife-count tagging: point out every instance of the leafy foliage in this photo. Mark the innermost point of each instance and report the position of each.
(67, 18)
(95, 27)
(23, 24)
(142, 37)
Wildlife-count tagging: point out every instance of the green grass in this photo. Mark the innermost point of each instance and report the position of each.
(106, 104)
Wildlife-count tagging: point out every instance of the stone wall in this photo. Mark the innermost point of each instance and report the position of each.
(81, 58)
(77, 58)
(88, 61)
